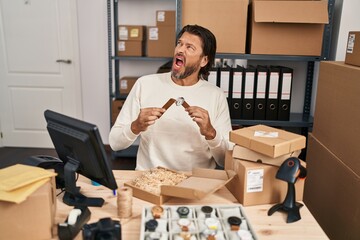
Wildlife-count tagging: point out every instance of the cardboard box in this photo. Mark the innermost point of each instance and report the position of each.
(337, 115)
(287, 27)
(32, 219)
(165, 18)
(126, 84)
(199, 184)
(352, 56)
(269, 141)
(131, 48)
(246, 154)
(226, 19)
(332, 192)
(131, 32)
(115, 109)
(256, 184)
(160, 41)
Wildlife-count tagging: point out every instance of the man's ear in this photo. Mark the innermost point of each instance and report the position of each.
(204, 61)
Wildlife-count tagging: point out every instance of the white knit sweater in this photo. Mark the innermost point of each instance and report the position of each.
(174, 141)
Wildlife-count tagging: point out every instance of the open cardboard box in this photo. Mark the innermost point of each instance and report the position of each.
(270, 141)
(200, 183)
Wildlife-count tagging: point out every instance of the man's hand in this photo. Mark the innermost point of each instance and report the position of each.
(201, 117)
(147, 117)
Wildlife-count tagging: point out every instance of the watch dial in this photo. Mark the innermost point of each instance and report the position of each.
(206, 209)
(183, 210)
(151, 224)
(234, 221)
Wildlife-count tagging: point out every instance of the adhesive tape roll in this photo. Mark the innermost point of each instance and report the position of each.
(124, 202)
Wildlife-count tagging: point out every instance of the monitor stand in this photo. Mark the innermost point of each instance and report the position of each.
(72, 196)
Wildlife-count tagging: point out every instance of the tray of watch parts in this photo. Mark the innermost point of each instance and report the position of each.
(195, 222)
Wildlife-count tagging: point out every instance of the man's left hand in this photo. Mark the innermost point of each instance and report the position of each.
(202, 119)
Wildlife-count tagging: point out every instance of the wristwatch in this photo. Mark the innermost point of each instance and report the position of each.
(185, 235)
(151, 225)
(245, 234)
(210, 234)
(183, 211)
(181, 101)
(184, 224)
(154, 236)
(207, 210)
(234, 222)
(157, 211)
(212, 223)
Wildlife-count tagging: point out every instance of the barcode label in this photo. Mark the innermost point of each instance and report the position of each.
(255, 180)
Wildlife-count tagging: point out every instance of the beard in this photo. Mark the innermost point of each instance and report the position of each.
(189, 70)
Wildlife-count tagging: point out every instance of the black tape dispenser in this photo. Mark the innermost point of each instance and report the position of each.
(290, 171)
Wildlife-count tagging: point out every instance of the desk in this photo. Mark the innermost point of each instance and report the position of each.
(266, 227)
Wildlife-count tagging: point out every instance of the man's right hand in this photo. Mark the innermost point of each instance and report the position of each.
(147, 117)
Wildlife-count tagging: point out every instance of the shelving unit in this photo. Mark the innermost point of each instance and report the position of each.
(303, 120)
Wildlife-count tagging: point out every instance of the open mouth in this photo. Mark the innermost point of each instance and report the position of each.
(179, 61)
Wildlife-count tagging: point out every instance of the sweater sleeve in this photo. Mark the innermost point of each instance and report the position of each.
(222, 124)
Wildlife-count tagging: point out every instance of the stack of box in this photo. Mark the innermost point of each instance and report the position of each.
(160, 41)
(258, 152)
(332, 189)
(131, 40)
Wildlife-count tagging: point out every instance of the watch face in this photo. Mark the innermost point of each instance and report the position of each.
(212, 223)
(157, 209)
(234, 221)
(206, 209)
(180, 101)
(184, 222)
(151, 225)
(183, 211)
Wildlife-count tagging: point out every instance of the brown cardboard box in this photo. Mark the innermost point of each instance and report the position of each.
(287, 27)
(332, 192)
(269, 141)
(32, 219)
(352, 56)
(131, 48)
(246, 154)
(116, 108)
(337, 115)
(200, 183)
(165, 18)
(131, 32)
(256, 184)
(126, 84)
(226, 19)
(160, 41)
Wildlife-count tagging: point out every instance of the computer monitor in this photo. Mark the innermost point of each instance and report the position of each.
(79, 145)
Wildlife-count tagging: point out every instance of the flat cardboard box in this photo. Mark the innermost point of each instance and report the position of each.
(287, 27)
(160, 41)
(126, 84)
(32, 219)
(199, 184)
(332, 192)
(268, 143)
(226, 19)
(256, 184)
(352, 56)
(131, 32)
(246, 154)
(337, 115)
(165, 18)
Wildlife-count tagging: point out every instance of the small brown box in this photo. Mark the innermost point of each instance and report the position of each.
(116, 108)
(126, 83)
(32, 219)
(131, 32)
(165, 18)
(352, 56)
(131, 48)
(160, 41)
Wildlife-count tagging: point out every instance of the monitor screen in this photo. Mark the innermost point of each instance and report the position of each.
(79, 145)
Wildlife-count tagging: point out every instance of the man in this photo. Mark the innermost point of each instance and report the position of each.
(193, 131)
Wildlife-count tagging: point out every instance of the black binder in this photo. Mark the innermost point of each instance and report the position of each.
(248, 93)
(214, 76)
(272, 94)
(261, 79)
(225, 82)
(286, 76)
(236, 79)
